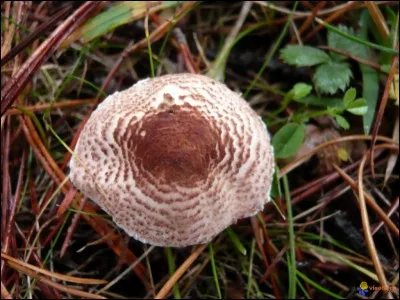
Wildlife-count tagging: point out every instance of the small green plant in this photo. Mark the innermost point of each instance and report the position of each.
(333, 73)
(289, 138)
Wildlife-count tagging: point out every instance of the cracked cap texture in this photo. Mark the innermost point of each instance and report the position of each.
(175, 159)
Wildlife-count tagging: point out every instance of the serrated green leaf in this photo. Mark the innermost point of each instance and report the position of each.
(342, 122)
(349, 96)
(300, 90)
(331, 77)
(358, 107)
(288, 139)
(321, 101)
(342, 43)
(303, 56)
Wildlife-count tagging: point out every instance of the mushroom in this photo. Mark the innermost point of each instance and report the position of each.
(175, 159)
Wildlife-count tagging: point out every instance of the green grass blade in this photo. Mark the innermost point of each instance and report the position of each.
(253, 244)
(271, 52)
(171, 269)
(341, 259)
(149, 45)
(357, 39)
(303, 289)
(370, 79)
(120, 14)
(214, 270)
(236, 241)
(317, 286)
(292, 253)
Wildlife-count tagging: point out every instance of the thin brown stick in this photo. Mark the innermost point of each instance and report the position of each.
(34, 35)
(5, 184)
(382, 107)
(370, 201)
(161, 30)
(354, 57)
(394, 208)
(5, 294)
(58, 276)
(72, 227)
(331, 18)
(269, 250)
(309, 19)
(274, 263)
(179, 272)
(58, 286)
(15, 85)
(297, 162)
(367, 229)
(13, 208)
(378, 18)
(41, 107)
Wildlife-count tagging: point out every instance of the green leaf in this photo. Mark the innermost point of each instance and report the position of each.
(370, 93)
(342, 122)
(121, 13)
(385, 68)
(303, 56)
(349, 97)
(288, 139)
(358, 40)
(321, 101)
(331, 77)
(358, 107)
(300, 90)
(342, 43)
(276, 191)
(370, 78)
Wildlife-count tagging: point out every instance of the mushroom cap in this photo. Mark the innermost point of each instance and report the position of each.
(175, 159)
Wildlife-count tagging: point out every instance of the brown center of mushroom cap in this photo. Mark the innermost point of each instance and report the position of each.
(177, 145)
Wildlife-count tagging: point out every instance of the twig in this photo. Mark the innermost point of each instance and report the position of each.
(370, 201)
(40, 107)
(56, 285)
(356, 58)
(127, 270)
(367, 229)
(179, 272)
(4, 292)
(382, 107)
(297, 162)
(59, 276)
(14, 86)
(34, 35)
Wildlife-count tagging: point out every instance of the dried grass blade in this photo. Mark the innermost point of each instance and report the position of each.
(14, 86)
(17, 263)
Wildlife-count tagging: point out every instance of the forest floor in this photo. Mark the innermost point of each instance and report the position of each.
(323, 76)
